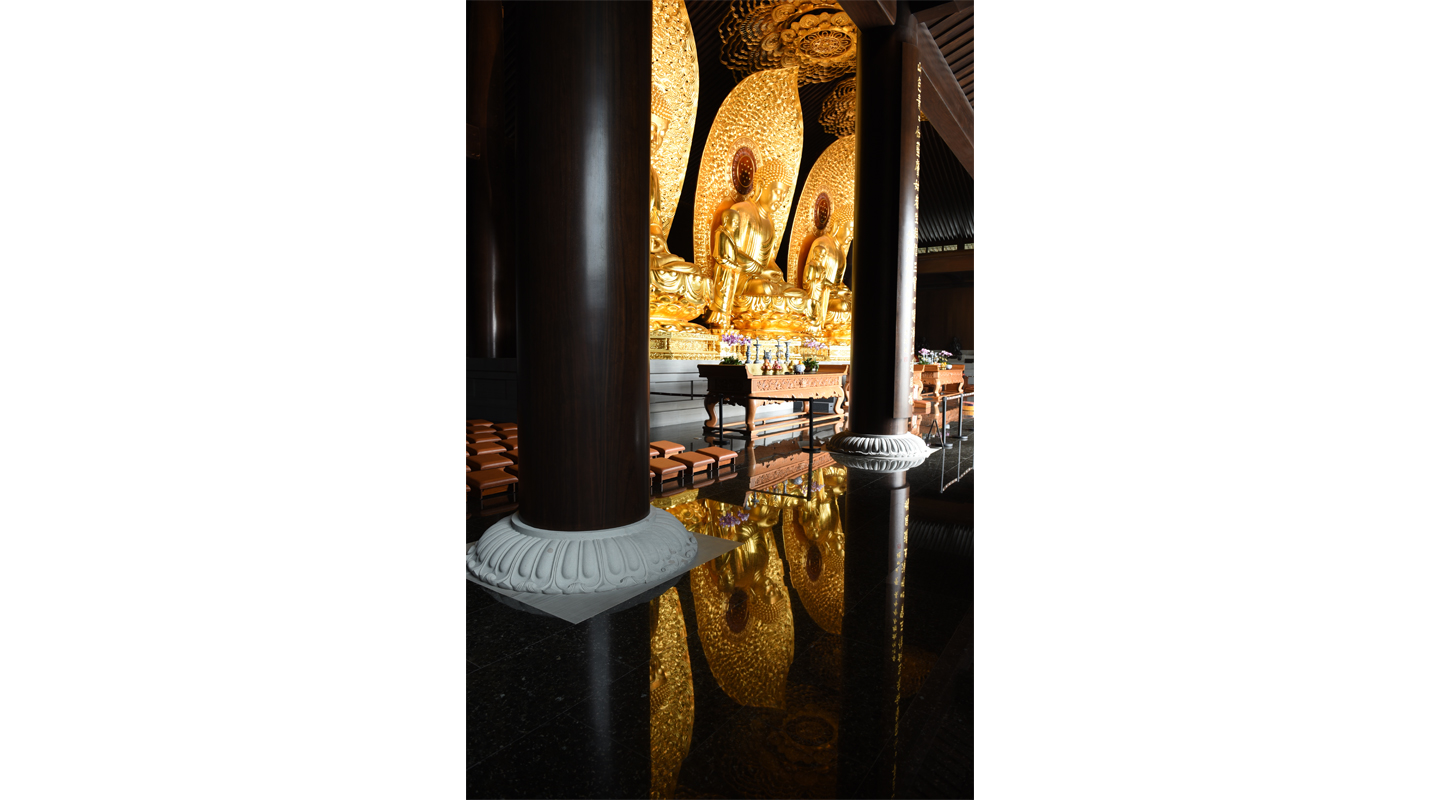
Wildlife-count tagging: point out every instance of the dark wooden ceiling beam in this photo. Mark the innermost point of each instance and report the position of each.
(936, 13)
(944, 103)
(945, 37)
(870, 13)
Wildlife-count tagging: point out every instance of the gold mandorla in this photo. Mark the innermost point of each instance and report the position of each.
(678, 289)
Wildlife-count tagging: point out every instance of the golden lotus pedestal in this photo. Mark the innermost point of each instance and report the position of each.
(683, 345)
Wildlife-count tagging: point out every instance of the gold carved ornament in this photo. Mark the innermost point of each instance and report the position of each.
(817, 38)
(675, 94)
(837, 113)
(672, 694)
(742, 609)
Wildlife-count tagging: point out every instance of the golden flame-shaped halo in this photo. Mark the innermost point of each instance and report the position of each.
(675, 82)
(762, 113)
(833, 174)
(672, 694)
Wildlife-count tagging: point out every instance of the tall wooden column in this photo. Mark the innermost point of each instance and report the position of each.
(582, 171)
(887, 158)
(490, 268)
(886, 192)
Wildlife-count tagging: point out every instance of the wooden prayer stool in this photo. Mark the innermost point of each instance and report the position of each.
(722, 457)
(476, 448)
(667, 449)
(486, 448)
(656, 452)
(482, 482)
(663, 469)
(513, 455)
(488, 461)
(695, 463)
(484, 422)
(486, 436)
(505, 426)
(509, 444)
(513, 469)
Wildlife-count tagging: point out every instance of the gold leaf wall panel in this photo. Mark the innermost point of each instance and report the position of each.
(675, 76)
(762, 113)
(834, 174)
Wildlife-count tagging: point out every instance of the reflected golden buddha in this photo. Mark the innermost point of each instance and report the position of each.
(742, 608)
(679, 290)
(815, 550)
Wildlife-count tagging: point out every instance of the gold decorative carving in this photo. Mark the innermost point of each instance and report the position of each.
(833, 175)
(684, 345)
(672, 694)
(818, 38)
(675, 83)
(837, 113)
(679, 290)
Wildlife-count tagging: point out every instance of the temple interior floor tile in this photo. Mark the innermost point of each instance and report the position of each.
(858, 687)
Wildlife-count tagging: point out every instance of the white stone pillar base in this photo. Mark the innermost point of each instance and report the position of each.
(878, 452)
(521, 558)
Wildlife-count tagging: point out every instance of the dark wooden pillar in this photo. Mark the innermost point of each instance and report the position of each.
(582, 180)
(886, 188)
(490, 273)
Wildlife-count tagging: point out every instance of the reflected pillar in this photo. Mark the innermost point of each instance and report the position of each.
(585, 523)
(887, 181)
(877, 520)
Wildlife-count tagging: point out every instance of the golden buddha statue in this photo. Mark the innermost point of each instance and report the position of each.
(679, 290)
(824, 261)
(751, 293)
(838, 306)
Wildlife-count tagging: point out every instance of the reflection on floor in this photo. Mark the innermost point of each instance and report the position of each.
(829, 655)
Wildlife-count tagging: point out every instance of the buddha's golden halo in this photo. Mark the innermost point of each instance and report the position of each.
(674, 95)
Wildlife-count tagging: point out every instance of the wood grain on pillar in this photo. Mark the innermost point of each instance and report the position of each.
(886, 186)
(582, 183)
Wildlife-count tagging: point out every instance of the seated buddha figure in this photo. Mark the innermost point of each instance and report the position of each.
(750, 290)
(679, 290)
(824, 260)
(838, 307)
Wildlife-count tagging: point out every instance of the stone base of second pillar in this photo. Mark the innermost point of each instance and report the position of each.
(878, 452)
(522, 558)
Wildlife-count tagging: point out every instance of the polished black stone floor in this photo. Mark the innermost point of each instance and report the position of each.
(831, 655)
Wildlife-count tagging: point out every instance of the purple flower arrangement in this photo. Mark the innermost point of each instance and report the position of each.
(734, 518)
(933, 356)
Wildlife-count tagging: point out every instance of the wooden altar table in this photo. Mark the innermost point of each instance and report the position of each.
(732, 384)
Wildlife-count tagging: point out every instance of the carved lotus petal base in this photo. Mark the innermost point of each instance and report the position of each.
(875, 452)
(521, 558)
